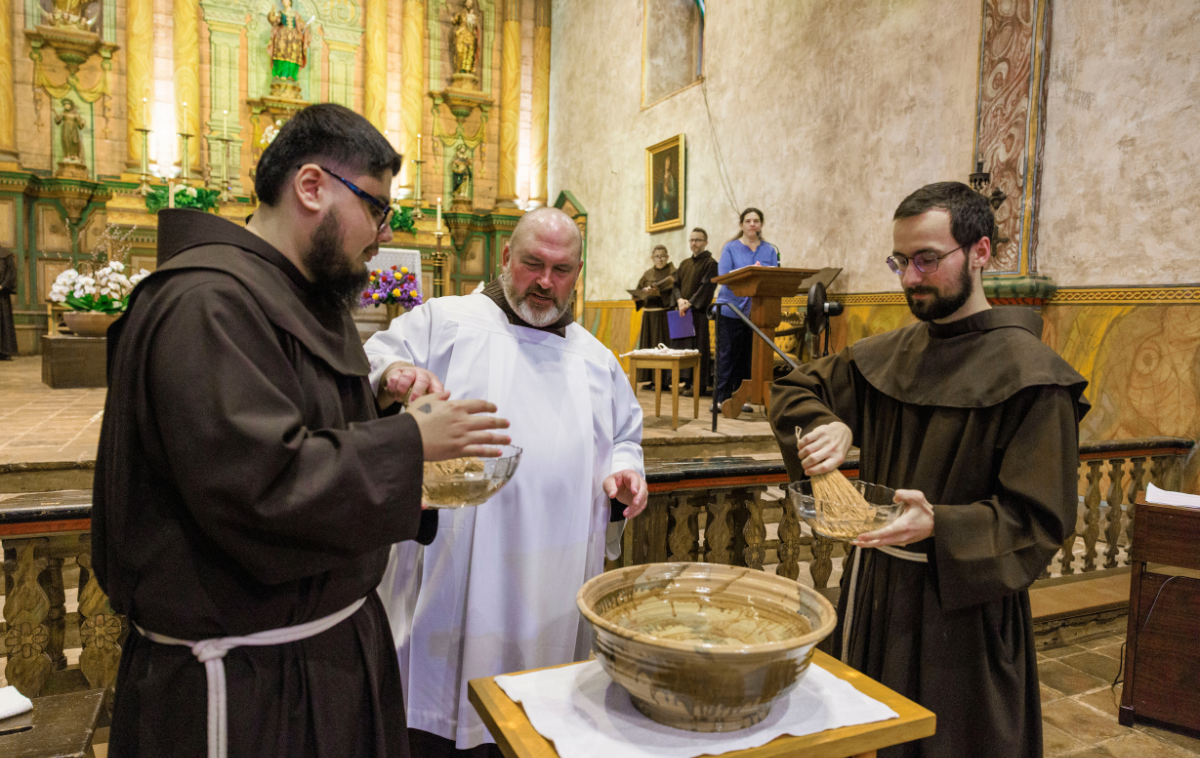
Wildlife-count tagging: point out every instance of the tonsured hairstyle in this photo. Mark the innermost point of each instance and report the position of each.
(325, 133)
(971, 217)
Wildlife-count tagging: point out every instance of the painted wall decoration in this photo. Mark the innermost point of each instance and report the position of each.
(665, 185)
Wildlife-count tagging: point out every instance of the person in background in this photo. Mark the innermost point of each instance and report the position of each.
(694, 290)
(655, 295)
(735, 341)
(8, 287)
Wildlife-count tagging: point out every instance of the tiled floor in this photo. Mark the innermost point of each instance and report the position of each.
(38, 424)
(1079, 707)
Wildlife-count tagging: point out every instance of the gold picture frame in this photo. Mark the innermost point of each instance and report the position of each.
(666, 166)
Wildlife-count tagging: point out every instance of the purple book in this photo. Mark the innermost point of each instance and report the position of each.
(681, 327)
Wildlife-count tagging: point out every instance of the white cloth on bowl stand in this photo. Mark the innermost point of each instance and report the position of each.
(587, 715)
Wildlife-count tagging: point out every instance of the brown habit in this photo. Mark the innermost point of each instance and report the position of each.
(245, 483)
(694, 284)
(654, 318)
(983, 418)
(8, 287)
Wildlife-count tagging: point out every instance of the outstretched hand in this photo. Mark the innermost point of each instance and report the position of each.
(457, 428)
(403, 383)
(913, 525)
(628, 487)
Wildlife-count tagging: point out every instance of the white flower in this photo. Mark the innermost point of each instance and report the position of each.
(116, 266)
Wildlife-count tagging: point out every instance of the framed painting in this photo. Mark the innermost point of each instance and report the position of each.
(665, 185)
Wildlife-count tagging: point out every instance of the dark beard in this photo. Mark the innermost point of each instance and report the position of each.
(337, 279)
(940, 306)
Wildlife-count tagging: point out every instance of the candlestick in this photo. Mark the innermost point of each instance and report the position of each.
(439, 214)
(184, 125)
(145, 114)
(225, 123)
(418, 146)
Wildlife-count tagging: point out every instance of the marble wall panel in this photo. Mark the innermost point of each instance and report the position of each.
(1121, 181)
(826, 114)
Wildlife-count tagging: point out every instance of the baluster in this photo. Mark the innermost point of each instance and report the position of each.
(685, 528)
(1168, 472)
(790, 542)
(1116, 496)
(716, 529)
(1091, 516)
(101, 630)
(739, 514)
(26, 607)
(821, 567)
(656, 516)
(51, 580)
(755, 531)
(1137, 485)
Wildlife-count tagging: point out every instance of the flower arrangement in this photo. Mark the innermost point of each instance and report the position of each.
(402, 219)
(185, 197)
(270, 133)
(392, 287)
(105, 291)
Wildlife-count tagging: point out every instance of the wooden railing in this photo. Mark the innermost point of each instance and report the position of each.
(720, 510)
(724, 510)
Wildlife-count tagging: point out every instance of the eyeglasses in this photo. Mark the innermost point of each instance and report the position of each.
(378, 206)
(926, 262)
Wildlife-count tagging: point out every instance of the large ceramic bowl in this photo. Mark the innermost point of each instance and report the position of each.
(701, 646)
(822, 516)
(463, 482)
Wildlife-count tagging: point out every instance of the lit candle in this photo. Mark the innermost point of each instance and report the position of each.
(418, 146)
(439, 215)
(225, 124)
(184, 129)
(145, 114)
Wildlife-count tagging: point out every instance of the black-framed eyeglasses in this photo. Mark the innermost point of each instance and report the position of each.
(926, 262)
(378, 206)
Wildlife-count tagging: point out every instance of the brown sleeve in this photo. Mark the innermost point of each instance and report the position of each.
(817, 393)
(997, 547)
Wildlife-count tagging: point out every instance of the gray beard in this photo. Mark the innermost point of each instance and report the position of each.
(527, 313)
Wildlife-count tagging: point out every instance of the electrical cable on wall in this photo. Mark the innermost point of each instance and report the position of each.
(722, 173)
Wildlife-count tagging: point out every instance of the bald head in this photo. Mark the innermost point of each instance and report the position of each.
(549, 225)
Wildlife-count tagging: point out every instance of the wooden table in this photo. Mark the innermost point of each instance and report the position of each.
(675, 364)
(1162, 662)
(59, 726)
(518, 739)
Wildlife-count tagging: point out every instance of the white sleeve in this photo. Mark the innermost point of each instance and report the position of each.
(408, 339)
(627, 424)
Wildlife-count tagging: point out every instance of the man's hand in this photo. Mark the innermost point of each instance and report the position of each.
(683, 306)
(628, 487)
(402, 383)
(452, 428)
(824, 449)
(913, 525)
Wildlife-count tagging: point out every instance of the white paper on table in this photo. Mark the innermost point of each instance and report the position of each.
(1167, 497)
(587, 715)
(13, 702)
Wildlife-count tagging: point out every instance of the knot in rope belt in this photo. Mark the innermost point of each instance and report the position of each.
(212, 652)
(895, 552)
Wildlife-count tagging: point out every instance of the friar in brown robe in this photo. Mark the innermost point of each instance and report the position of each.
(975, 422)
(8, 288)
(656, 296)
(694, 285)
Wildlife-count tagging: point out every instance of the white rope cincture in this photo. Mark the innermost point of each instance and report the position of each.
(212, 652)
(895, 552)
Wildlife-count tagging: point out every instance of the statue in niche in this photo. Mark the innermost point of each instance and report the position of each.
(71, 14)
(72, 122)
(288, 49)
(460, 170)
(466, 39)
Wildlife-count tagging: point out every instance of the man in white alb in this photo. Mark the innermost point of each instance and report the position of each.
(495, 592)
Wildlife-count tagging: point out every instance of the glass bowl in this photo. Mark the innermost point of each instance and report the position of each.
(815, 512)
(463, 482)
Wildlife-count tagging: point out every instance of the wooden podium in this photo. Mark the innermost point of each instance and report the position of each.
(1162, 662)
(766, 286)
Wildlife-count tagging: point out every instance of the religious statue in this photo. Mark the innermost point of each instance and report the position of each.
(466, 38)
(460, 169)
(71, 14)
(71, 121)
(289, 43)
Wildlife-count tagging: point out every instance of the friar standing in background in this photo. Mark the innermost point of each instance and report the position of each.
(654, 296)
(694, 290)
(247, 494)
(974, 422)
(8, 286)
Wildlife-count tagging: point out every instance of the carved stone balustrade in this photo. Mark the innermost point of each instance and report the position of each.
(731, 511)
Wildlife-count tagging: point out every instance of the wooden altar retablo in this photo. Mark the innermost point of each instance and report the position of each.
(766, 286)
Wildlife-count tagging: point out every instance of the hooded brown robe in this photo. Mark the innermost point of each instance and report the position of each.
(983, 418)
(661, 282)
(244, 482)
(8, 287)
